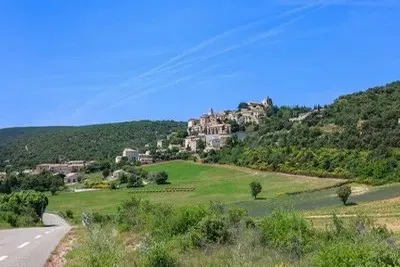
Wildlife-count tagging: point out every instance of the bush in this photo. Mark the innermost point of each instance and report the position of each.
(134, 180)
(106, 173)
(69, 213)
(343, 193)
(255, 189)
(113, 185)
(214, 230)
(161, 177)
(348, 253)
(159, 256)
(286, 231)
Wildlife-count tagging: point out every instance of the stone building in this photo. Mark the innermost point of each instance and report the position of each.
(63, 168)
(130, 154)
(71, 178)
(214, 129)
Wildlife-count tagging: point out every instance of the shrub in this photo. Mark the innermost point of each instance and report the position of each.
(214, 230)
(255, 189)
(134, 180)
(106, 173)
(348, 253)
(286, 231)
(236, 215)
(161, 177)
(343, 193)
(113, 185)
(69, 213)
(159, 256)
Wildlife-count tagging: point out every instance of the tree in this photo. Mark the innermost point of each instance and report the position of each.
(343, 193)
(201, 145)
(161, 177)
(242, 105)
(106, 173)
(134, 180)
(53, 189)
(255, 189)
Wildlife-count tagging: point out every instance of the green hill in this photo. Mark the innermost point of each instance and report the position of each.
(28, 146)
(357, 136)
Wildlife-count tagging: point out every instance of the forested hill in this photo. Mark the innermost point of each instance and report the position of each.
(357, 136)
(28, 146)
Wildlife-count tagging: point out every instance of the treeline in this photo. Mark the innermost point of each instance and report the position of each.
(357, 137)
(26, 147)
(219, 235)
(45, 181)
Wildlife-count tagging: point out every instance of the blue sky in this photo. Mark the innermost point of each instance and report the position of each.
(83, 62)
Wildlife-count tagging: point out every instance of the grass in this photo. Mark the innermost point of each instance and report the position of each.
(211, 183)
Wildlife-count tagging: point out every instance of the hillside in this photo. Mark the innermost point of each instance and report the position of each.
(357, 136)
(27, 146)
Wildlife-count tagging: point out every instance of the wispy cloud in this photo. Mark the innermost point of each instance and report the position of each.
(146, 82)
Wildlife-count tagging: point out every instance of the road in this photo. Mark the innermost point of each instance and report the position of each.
(30, 247)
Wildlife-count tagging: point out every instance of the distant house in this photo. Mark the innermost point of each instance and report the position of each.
(71, 178)
(130, 154)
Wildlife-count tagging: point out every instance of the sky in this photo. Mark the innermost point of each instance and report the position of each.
(73, 62)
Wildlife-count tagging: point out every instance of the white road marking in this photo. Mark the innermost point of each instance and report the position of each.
(23, 245)
(2, 258)
(38, 236)
(48, 232)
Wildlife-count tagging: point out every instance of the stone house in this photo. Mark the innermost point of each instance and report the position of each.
(71, 178)
(130, 154)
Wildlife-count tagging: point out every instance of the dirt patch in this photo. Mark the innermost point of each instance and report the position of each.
(57, 257)
(359, 190)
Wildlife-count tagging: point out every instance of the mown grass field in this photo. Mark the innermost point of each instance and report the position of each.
(211, 183)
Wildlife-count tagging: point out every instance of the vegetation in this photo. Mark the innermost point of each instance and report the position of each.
(217, 235)
(27, 146)
(42, 182)
(23, 208)
(217, 183)
(357, 137)
(255, 189)
(343, 193)
(161, 177)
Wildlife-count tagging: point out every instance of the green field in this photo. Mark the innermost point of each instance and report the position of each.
(211, 183)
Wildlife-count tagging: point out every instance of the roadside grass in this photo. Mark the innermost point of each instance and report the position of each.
(211, 183)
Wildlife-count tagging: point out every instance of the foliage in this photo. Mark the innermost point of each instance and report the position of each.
(42, 182)
(23, 208)
(159, 256)
(161, 177)
(343, 193)
(26, 147)
(255, 189)
(69, 213)
(105, 173)
(216, 235)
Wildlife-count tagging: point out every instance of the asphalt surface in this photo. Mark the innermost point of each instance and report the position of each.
(30, 247)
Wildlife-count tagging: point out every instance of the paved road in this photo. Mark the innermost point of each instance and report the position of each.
(30, 247)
